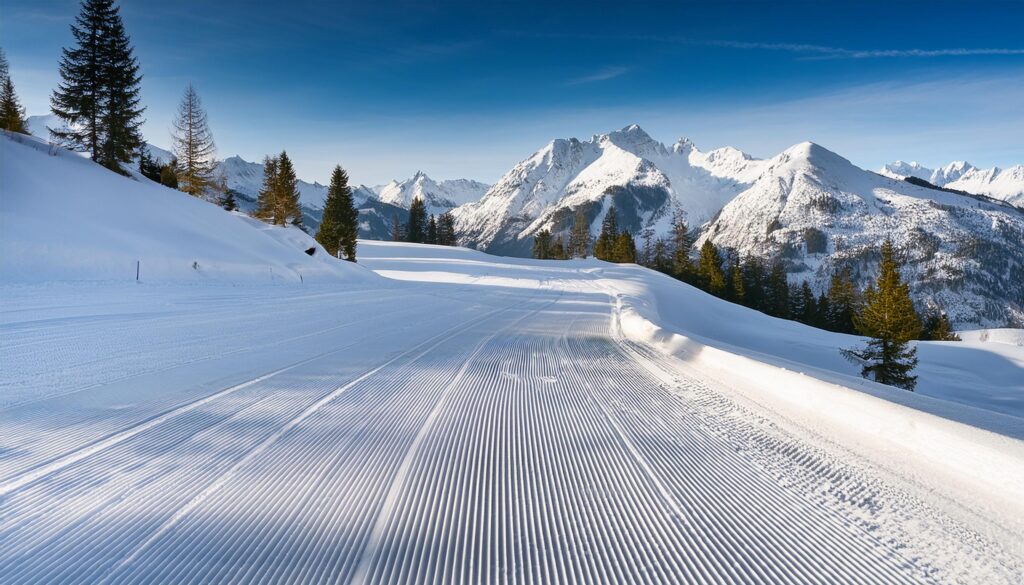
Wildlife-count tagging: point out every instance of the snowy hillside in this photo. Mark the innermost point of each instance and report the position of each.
(1003, 184)
(438, 197)
(39, 126)
(65, 218)
(643, 178)
(821, 213)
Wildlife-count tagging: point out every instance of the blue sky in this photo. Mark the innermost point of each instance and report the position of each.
(467, 89)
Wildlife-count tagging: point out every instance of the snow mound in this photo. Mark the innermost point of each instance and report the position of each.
(64, 218)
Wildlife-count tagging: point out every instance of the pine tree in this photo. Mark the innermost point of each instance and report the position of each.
(193, 145)
(542, 245)
(446, 229)
(557, 251)
(12, 115)
(288, 192)
(890, 320)
(149, 167)
(579, 236)
(778, 290)
(754, 284)
(823, 311)
(339, 224)
(624, 250)
(396, 229)
(98, 97)
(682, 241)
(415, 229)
(228, 200)
(169, 174)
(808, 305)
(936, 327)
(604, 246)
(122, 114)
(431, 230)
(266, 201)
(660, 258)
(843, 303)
(737, 288)
(709, 270)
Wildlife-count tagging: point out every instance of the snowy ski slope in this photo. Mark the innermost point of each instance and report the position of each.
(489, 423)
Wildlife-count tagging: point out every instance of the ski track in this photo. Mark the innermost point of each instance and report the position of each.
(521, 441)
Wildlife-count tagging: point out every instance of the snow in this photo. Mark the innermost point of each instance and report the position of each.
(962, 254)
(65, 218)
(1003, 184)
(436, 414)
(438, 197)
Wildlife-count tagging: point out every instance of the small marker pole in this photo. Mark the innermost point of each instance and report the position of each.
(137, 262)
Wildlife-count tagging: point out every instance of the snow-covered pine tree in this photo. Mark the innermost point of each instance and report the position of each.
(415, 229)
(889, 318)
(98, 96)
(339, 224)
(193, 145)
(12, 115)
(579, 236)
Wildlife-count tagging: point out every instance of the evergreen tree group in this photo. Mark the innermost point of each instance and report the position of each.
(416, 227)
(278, 201)
(339, 226)
(547, 247)
(884, 312)
(579, 236)
(12, 115)
(613, 245)
(193, 145)
(98, 98)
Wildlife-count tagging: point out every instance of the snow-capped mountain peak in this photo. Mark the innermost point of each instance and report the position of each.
(1004, 184)
(438, 196)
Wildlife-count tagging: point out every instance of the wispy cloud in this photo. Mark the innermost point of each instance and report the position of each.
(602, 75)
(807, 50)
(825, 52)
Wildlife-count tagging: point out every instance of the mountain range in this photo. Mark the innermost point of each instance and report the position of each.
(1003, 184)
(960, 233)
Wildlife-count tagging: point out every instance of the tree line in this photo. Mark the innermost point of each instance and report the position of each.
(884, 311)
(421, 228)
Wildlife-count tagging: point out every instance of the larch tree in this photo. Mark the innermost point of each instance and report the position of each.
(193, 145)
(890, 320)
(98, 98)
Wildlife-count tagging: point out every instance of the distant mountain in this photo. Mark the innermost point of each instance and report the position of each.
(1003, 184)
(641, 177)
(819, 212)
(438, 197)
